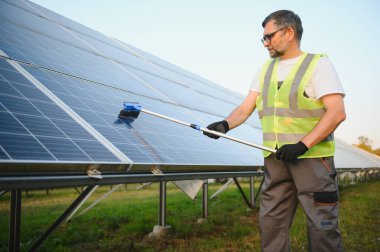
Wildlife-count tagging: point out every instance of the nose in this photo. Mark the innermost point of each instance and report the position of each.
(265, 43)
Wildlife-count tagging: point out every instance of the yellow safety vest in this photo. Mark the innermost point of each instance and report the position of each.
(286, 115)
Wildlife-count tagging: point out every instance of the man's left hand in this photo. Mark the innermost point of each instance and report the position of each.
(290, 152)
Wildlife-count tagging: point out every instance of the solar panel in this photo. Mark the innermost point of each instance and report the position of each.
(197, 83)
(34, 128)
(348, 156)
(148, 139)
(92, 75)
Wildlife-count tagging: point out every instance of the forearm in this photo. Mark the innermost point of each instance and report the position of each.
(335, 114)
(237, 117)
(324, 128)
(240, 114)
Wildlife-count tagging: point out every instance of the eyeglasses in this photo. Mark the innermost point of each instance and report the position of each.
(268, 37)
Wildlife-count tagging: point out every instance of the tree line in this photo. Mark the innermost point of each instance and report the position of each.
(366, 144)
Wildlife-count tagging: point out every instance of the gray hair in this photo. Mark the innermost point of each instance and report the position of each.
(286, 18)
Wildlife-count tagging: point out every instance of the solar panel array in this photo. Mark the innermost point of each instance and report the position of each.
(34, 128)
(63, 85)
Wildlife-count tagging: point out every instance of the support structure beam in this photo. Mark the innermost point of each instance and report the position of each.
(67, 180)
(224, 187)
(14, 221)
(162, 208)
(205, 199)
(161, 230)
(3, 192)
(252, 190)
(62, 217)
(242, 193)
(80, 204)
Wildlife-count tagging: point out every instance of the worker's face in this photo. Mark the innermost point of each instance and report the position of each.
(273, 39)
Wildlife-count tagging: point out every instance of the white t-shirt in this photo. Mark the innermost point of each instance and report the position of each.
(323, 81)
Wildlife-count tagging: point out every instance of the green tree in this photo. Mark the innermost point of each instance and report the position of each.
(377, 151)
(366, 144)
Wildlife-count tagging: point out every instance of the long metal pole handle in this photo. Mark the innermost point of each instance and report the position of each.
(238, 140)
(211, 131)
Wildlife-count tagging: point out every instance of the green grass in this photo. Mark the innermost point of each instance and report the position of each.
(123, 221)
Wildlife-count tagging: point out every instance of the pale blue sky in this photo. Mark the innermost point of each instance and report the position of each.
(220, 40)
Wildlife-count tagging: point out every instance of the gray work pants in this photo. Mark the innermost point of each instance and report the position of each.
(311, 183)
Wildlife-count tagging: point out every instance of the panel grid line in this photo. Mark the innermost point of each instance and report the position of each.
(107, 57)
(6, 153)
(6, 57)
(88, 76)
(26, 128)
(113, 149)
(64, 133)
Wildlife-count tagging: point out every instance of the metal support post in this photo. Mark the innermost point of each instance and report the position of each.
(205, 199)
(252, 190)
(161, 229)
(162, 213)
(14, 221)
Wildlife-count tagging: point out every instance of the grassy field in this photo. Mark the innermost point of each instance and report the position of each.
(123, 221)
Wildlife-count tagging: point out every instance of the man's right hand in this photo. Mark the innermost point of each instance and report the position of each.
(221, 126)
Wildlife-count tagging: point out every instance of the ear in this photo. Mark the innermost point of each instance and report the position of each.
(290, 33)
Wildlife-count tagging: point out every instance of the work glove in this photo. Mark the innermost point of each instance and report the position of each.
(290, 152)
(221, 127)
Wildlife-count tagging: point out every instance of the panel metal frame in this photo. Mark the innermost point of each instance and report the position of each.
(17, 184)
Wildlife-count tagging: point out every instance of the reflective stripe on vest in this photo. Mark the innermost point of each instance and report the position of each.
(286, 114)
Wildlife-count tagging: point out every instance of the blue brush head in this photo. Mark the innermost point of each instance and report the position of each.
(130, 109)
(132, 106)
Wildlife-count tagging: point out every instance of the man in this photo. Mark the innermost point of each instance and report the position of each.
(299, 99)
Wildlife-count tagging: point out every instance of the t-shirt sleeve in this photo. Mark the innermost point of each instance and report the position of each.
(255, 85)
(325, 79)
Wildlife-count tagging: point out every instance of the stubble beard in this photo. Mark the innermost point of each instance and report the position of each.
(275, 54)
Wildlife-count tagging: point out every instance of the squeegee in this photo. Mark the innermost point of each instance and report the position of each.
(131, 110)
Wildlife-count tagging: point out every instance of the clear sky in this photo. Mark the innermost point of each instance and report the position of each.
(220, 40)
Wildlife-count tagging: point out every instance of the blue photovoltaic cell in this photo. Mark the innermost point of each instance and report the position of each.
(10, 125)
(97, 74)
(24, 147)
(63, 149)
(33, 128)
